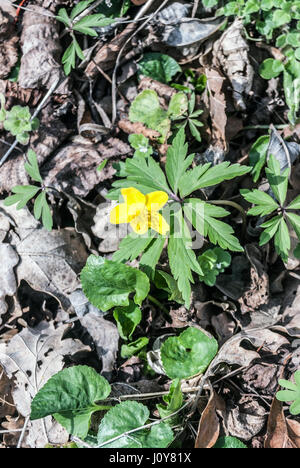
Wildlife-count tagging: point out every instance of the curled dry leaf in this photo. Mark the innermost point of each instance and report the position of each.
(74, 168)
(106, 56)
(281, 432)
(8, 285)
(245, 420)
(31, 358)
(8, 42)
(105, 336)
(231, 54)
(137, 127)
(209, 425)
(103, 229)
(49, 261)
(215, 101)
(40, 63)
(232, 351)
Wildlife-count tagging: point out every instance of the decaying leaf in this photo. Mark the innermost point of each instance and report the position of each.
(216, 103)
(8, 285)
(31, 358)
(282, 432)
(40, 63)
(245, 420)
(74, 168)
(231, 54)
(209, 425)
(105, 336)
(49, 261)
(103, 229)
(8, 41)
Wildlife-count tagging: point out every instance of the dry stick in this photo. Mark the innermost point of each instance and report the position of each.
(195, 8)
(140, 14)
(51, 90)
(49, 15)
(23, 432)
(7, 431)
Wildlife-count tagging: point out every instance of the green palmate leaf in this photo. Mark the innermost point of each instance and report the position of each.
(32, 167)
(282, 240)
(206, 176)
(188, 354)
(264, 203)
(63, 17)
(23, 193)
(167, 283)
(278, 181)
(292, 393)
(131, 247)
(181, 257)
(295, 204)
(151, 256)
(134, 348)
(173, 400)
(203, 216)
(86, 24)
(229, 443)
(79, 8)
(141, 144)
(70, 396)
(69, 59)
(270, 228)
(42, 209)
(258, 155)
(78, 50)
(177, 160)
(147, 172)
(127, 319)
(158, 66)
(295, 222)
(108, 283)
(128, 416)
(212, 263)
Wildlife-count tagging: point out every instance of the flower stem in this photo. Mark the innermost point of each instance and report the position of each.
(234, 205)
(158, 304)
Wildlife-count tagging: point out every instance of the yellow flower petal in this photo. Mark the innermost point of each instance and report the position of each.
(133, 196)
(140, 224)
(156, 200)
(158, 223)
(119, 214)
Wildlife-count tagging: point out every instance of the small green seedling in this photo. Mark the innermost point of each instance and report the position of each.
(190, 118)
(141, 145)
(212, 263)
(275, 208)
(18, 121)
(24, 193)
(85, 25)
(292, 393)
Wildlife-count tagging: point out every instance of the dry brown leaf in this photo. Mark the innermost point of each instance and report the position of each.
(8, 285)
(246, 420)
(8, 42)
(216, 103)
(137, 127)
(74, 168)
(7, 407)
(209, 425)
(41, 59)
(231, 54)
(105, 57)
(105, 336)
(110, 234)
(49, 261)
(281, 433)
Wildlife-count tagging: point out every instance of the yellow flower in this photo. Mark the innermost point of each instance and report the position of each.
(141, 211)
